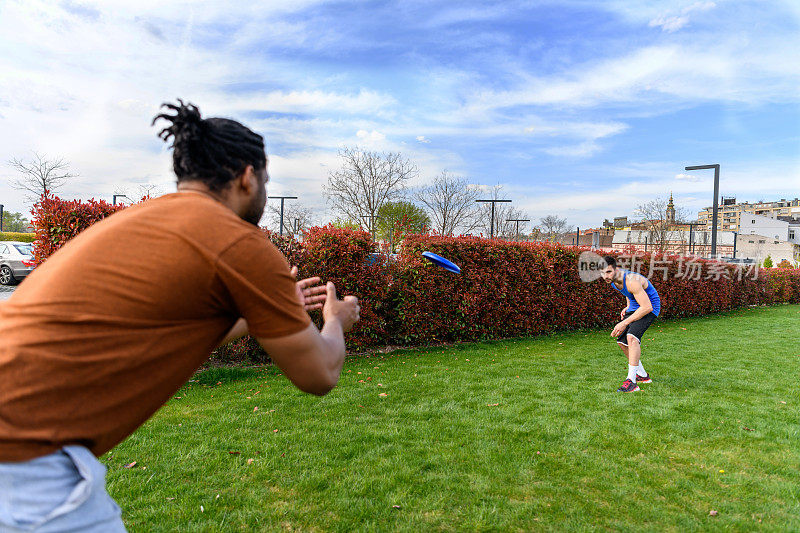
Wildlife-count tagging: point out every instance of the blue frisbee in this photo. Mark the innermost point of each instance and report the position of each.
(442, 262)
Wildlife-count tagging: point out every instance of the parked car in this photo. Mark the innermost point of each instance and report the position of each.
(16, 261)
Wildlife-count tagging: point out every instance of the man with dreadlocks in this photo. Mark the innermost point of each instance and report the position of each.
(114, 323)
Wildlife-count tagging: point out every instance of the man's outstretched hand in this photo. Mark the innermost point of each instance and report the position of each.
(310, 293)
(346, 311)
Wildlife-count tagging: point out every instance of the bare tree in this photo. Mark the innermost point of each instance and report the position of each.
(653, 215)
(508, 229)
(150, 190)
(535, 234)
(552, 227)
(40, 174)
(296, 217)
(451, 204)
(366, 181)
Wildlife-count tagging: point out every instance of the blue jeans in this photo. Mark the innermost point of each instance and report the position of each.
(61, 492)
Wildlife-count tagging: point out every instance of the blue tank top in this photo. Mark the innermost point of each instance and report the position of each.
(633, 305)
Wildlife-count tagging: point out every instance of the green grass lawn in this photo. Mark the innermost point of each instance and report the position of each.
(517, 435)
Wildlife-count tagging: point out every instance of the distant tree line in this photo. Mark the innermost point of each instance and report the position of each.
(372, 190)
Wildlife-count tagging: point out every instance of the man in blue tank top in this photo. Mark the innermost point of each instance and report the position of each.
(643, 307)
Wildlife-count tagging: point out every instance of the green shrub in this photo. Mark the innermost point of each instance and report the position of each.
(15, 236)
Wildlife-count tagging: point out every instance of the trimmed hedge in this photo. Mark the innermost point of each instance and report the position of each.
(56, 221)
(522, 289)
(510, 289)
(506, 289)
(15, 236)
(343, 257)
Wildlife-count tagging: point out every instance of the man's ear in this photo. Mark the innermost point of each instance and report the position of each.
(248, 180)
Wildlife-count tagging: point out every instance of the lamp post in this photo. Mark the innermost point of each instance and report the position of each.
(491, 228)
(114, 201)
(1, 217)
(517, 220)
(282, 198)
(716, 202)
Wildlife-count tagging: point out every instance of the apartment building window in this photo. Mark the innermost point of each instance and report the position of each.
(791, 234)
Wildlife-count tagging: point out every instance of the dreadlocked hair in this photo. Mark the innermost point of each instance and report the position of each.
(214, 150)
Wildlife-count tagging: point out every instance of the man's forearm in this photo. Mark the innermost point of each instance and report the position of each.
(333, 337)
(238, 330)
(639, 313)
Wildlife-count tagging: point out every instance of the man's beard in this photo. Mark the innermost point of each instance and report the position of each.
(256, 208)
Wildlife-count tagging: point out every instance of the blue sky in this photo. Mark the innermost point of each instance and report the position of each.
(579, 108)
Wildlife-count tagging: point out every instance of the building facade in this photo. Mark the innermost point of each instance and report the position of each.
(679, 242)
(785, 230)
(729, 214)
(758, 247)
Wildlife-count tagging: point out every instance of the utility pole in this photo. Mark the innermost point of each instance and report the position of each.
(1, 216)
(577, 236)
(296, 226)
(517, 220)
(118, 196)
(282, 198)
(491, 228)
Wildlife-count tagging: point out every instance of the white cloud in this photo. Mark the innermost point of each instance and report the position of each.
(670, 24)
(673, 23)
(361, 102)
(422, 139)
(583, 149)
(370, 138)
(687, 177)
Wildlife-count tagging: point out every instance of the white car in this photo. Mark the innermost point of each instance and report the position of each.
(16, 261)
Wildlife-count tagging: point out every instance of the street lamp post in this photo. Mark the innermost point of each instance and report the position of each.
(518, 220)
(1, 217)
(491, 229)
(716, 202)
(282, 198)
(114, 201)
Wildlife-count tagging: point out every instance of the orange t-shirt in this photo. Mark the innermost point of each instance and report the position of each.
(102, 334)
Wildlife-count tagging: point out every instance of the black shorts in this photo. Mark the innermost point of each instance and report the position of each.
(637, 328)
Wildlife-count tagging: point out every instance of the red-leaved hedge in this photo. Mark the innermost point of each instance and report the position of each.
(343, 257)
(506, 289)
(510, 289)
(56, 221)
